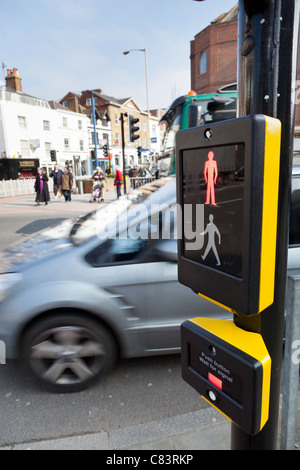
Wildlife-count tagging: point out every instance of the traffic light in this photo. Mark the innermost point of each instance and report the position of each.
(139, 151)
(53, 155)
(133, 128)
(93, 155)
(227, 180)
(105, 150)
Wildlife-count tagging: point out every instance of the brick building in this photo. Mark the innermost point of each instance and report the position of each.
(214, 61)
(110, 108)
(214, 54)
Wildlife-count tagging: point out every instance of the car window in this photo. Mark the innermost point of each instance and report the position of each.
(137, 243)
(294, 236)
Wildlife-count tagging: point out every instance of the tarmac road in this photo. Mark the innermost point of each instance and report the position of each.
(20, 217)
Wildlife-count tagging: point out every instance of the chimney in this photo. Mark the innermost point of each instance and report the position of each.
(13, 80)
(73, 104)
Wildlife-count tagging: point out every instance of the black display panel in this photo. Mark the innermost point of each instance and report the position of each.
(213, 177)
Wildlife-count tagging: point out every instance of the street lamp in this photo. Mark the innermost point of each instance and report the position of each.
(147, 93)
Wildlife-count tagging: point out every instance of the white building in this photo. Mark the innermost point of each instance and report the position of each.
(31, 127)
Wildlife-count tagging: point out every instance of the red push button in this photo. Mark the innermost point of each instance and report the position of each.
(215, 381)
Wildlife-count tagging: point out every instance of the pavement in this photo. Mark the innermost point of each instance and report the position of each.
(79, 202)
(204, 429)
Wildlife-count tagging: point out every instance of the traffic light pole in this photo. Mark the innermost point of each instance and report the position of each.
(95, 130)
(123, 151)
(267, 57)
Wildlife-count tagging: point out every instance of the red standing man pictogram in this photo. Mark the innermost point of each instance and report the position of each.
(210, 175)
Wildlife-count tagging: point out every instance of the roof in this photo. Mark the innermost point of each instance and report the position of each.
(114, 101)
(231, 15)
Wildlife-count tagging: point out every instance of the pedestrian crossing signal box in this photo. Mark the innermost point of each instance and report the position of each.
(230, 368)
(227, 187)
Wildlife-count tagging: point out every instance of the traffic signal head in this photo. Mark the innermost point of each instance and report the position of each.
(105, 148)
(133, 128)
(93, 155)
(227, 187)
(53, 155)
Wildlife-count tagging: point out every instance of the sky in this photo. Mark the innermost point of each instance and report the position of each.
(75, 45)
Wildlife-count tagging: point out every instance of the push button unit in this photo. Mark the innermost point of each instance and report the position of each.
(230, 368)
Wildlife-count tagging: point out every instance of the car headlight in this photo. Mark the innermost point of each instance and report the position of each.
(7, 281)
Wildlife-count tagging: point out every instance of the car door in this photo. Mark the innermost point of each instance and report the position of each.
(141, 272)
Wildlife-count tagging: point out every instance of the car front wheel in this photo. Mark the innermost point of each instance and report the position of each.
(68, 352)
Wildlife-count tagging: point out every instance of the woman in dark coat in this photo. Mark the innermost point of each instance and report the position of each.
(41, 187)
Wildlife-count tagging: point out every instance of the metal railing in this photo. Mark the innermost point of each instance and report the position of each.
(136, 182)
(19, 187)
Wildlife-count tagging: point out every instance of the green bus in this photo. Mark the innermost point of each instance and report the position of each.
(191, 111)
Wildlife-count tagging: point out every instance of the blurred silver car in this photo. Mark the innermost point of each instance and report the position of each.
(77, 297)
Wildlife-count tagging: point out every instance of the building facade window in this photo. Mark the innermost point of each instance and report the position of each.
(105, 139)
(65, 122)
(24, 148)
(48, 147)
(66, 144)
(22, 122)
(79, 124)
(81, 147)
(89, 101)
(203, 63)
(46, 125)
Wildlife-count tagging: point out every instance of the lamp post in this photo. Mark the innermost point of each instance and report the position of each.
(147, 92)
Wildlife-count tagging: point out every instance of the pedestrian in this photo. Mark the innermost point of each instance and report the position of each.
(142, 171)
(55, 174)
(133, 172)
(99, 177)
(74, 179)
(118, 181)
(66, 183)
(41, 187)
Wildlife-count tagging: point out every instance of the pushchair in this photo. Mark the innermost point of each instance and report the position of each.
(97, 193)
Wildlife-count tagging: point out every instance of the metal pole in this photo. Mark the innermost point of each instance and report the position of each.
(123, 150)
(147, 93)
(267, 55)
(95, 135)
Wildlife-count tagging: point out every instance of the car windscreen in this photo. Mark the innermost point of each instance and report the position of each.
(105, 222)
